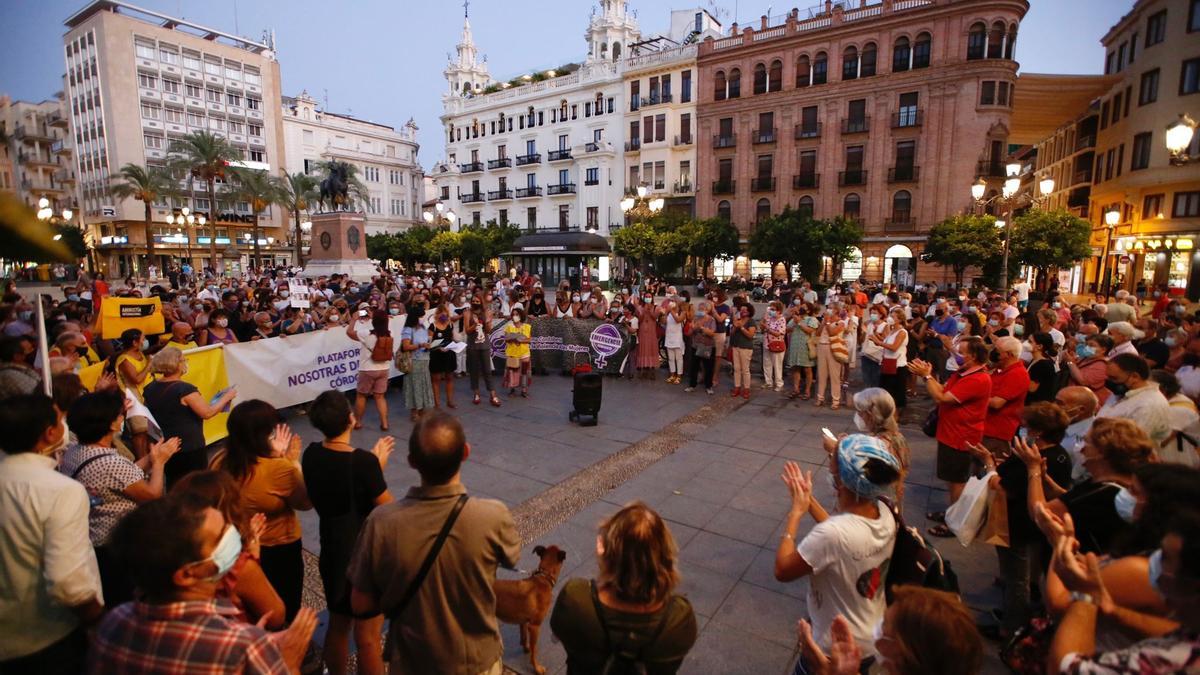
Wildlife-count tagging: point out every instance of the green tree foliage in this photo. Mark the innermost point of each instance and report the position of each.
(445, 245)
(793, 238)
(638, 242)
(963, 241)
(1048, 240)
(839, 237)
(712, 238)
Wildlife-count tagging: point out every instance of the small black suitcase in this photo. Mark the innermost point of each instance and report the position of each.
(586, 396)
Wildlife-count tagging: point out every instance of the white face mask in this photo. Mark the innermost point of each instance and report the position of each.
(859, 422)
(1125, 504)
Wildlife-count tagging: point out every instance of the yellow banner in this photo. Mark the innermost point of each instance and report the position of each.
(118, 315)
(206, 371)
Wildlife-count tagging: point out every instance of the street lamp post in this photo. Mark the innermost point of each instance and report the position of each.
(1009, 198)
(1179, 138)
(641, 207)
(1111, 218)
(440, 216)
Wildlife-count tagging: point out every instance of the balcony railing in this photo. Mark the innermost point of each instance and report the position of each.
(762, 184)
(806, 180)
(899, 223)
(764, 135)
(469, 197)
(648, 101)
(684, 139)
(808, 131)
(720, 141)
(1081, 177)
(907, 117)
(535, 158)
(470, 167)
(904, 174)
(989, 169)
(723, 187)
(591, 181)
(497, 195)
(64, 176)
(591, 147)
(852, 177)
(558, 155)
(1085, 142)
(856, 126)
(633, 145)
(56, 118)
(501, 163)
(561, 189)
(683, 188)
(535, 191)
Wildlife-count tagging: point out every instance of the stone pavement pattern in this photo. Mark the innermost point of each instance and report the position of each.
(709, 464)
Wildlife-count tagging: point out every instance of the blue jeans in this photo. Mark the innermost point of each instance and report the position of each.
(870, 372)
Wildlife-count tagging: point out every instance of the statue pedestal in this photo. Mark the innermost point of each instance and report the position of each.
(339, 246)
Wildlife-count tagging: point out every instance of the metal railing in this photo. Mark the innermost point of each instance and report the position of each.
(856, 126)
(469, 197)
(535, 191)
(762, 184)
(899, 223)
(808, 131)
(729, 141)
(724, 187)
(806, 180)
(501, 163)
(535, 158)
(633, 145)
(908, 117)
(764, 135)
(852, 177)
(470, 167)
(561, 189)
(904, 174)
(497, 195)
(558, 155)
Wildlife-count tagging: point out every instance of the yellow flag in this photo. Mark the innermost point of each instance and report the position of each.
(118, 315)
(206, 371)
(89, 374)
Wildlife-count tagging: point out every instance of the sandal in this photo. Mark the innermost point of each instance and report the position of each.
(936, 516)
(383, 427)
(451, 404)
(835, 406)
(804, 397)
(475, 400)
(940, 531)
(524, 393)
(358, 426)
(793, 395)
(820, 402)
(495, 401)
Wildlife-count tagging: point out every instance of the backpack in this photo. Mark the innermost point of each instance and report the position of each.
(915, 562)
(382, 351)
(621, 659)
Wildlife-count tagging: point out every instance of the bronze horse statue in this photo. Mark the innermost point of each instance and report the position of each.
(335, 188)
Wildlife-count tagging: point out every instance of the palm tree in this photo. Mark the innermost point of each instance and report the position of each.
(207, 157)
(299, 190)
(145, 184)
(260, 189)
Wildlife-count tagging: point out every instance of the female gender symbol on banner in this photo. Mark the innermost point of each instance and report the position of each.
(606, 340)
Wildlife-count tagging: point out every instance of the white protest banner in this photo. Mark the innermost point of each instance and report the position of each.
(298, 293)
(287, 371)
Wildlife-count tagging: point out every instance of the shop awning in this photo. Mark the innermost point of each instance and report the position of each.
(1043, 103)
(560, 243)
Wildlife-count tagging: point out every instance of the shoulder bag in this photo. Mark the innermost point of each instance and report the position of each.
(914, 561)
(404, 360)
(624, 659)
(382, 351)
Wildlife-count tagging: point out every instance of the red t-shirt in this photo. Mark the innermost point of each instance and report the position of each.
(962, 423)
(1012, 385)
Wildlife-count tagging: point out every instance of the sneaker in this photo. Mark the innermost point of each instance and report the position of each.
(688, 390)
(709, 391)
(779, 388)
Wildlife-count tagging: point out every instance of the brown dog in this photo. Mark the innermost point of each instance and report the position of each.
(526, 602)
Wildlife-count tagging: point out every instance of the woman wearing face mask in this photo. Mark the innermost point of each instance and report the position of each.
(477, 324)
(674, 318)
(180, 411)
(648, 356)
(702, 352)
(565, 306)
(893, 345)
(243, 583)
(875, 414)
(829, 369)
(1112, 451)
(741, 343)
(537, 305)
(131, 367)
(1088, 364)
(518, 357)
(774, 344)
(1045, 425)
(872, 354)
(923, 631)
(442, 361)
(799, 358)
(1043, 376)
(418, 391)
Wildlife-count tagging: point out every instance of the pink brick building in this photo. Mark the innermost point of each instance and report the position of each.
(884, 110)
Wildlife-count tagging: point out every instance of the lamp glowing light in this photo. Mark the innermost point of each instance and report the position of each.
(1113, 217)
(1179, 135)
(642, 191)
(978, 188)
(1012, 169)
(1046, 186)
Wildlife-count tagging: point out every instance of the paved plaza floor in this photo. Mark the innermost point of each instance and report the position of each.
(709, 464)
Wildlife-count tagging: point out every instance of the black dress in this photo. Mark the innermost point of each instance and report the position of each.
(343, 487)
(442, 362)
(1042, 372)
(176, 419)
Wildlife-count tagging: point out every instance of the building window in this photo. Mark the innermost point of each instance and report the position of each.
(192, 91)
(593, 217)
(760, 79)
(685, 87)
(850, 63)
(147, 81)
(1002, 91)
(1141, 151)
(592, 176)
(150, 112)
(503, 216)
(1189, 77)
(170, 86)
(803, 72)
(153, 142)
(762, 210)
(852, 206)
(977, 41)
(901, 55)
(1187, 205)
(902, 207)
(907, 115)
(867, 59)
(564, 217)
(805, 207)
(1152, 206)
(719, 86)
(531, 217)
(144, 51)
(1156, 28)
(735, 83)
(820, 68)
(1194, 17)
(774, 76)
(921, 50)
(724, 212)
(257, 156)
(1148, 90)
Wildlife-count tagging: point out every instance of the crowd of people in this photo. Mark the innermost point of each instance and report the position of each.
(127, 550)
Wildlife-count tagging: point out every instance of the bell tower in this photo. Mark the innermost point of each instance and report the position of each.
(611, 31)
(466, 74)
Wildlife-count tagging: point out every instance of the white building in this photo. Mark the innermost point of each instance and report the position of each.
(386, 158)
(542, 155)
(660, 79)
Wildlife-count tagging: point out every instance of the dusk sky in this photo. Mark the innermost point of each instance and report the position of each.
(383, 61)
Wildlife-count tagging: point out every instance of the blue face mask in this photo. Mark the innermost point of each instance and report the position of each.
(1155, 572)
(958, 358)
(701, 314)
(1125, 504)
(1018, 329)
(225, 555)
(73, 298)
(962, 326)
(145, 344)
(1084, 351)
(1170, 341)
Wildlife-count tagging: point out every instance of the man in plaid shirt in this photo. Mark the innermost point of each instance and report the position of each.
(180, 625)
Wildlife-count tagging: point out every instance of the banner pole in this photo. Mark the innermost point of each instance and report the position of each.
(43, 346)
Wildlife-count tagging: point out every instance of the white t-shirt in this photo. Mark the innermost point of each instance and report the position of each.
(1022, 289)
(847, 555)
(363, 330)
